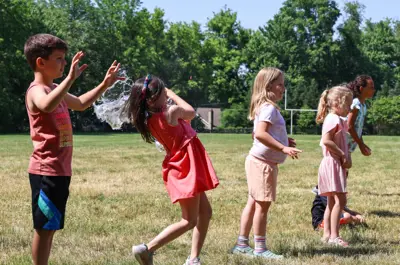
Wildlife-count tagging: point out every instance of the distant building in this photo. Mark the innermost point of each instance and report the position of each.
(210, 116)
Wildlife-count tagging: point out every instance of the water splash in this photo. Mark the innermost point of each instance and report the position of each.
(108, 108)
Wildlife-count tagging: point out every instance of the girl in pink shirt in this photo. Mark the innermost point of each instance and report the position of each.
(334, 104)
(270, 148)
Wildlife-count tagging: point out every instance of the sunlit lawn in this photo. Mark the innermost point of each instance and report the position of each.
(118, 199)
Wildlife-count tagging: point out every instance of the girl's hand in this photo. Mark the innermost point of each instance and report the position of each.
(365, 150)
(292, 142)
(291, 151)
(360, 218)
(344, 161)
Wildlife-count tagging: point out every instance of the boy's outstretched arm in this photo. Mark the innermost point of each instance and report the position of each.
(84, 101)
(47, 102)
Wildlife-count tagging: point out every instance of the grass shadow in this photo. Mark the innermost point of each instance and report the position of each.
(382, 194)
(384, 213)
(351, 251)
(337, 251)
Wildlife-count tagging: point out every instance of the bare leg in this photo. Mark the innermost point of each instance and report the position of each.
(340, 202)
(246, 220)
(260, 218)
(190, 212)
(327, 217)
(200, 231)
(41, 246)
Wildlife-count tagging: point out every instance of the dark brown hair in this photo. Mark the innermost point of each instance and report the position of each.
(136, 107)
(42, 45)
(360, 81)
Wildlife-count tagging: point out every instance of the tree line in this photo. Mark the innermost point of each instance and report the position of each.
(314, 42)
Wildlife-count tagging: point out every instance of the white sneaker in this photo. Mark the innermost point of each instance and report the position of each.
(143, 255)
(195, 261)
(315, 190)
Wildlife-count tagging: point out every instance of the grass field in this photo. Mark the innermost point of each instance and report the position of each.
(118, 199)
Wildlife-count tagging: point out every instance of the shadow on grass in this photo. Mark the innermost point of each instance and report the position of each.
(374, 241)
(382, 194)
(383, 213)
(337, 251)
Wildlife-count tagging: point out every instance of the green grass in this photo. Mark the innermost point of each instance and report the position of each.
(118, 199)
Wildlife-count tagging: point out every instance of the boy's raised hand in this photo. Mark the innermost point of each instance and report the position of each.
(75, 71)
(112, 75)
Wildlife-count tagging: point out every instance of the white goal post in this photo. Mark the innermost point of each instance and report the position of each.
(292, 110)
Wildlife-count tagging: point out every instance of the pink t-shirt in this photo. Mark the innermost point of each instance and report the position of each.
(268, 113)
(51, 134)
(340, 138)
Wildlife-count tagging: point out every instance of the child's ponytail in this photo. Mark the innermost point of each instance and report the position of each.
(322, 107)
(136, 108)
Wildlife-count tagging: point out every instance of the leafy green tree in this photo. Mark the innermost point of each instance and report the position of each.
(224, 43)
(384, 115)
(380, 45)
(18, 20)
(299, 40)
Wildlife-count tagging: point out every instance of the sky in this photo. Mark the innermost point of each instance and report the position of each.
(255, 13)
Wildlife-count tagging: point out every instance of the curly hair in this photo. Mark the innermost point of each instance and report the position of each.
(355, 86)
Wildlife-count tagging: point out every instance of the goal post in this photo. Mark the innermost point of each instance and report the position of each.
(293, 110)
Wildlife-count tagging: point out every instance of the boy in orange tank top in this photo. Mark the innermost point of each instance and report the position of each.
(47, 105)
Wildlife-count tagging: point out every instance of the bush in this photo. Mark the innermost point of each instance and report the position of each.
(235, 117)
(384, 115)
(306, 121)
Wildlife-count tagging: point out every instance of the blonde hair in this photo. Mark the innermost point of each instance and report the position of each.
(333, 97)
(261, 89)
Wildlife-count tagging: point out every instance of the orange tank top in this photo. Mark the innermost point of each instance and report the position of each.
(51, 134)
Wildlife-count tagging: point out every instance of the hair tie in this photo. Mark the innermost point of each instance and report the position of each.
(326, 95)
(145, 85)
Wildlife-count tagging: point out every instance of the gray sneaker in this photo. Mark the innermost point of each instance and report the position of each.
(195, 261)
(268, 255)
(247, 251)
(143, 255)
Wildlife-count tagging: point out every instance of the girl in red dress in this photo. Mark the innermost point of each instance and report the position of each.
(187, 170)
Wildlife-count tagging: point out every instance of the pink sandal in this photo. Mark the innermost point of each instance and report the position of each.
(339, 242)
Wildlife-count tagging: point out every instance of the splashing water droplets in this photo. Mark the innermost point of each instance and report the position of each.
(110, 105)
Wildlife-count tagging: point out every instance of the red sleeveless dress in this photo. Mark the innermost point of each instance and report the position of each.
(187, 169)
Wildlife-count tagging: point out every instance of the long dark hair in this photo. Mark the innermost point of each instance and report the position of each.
(136, 108)
(360, 81)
